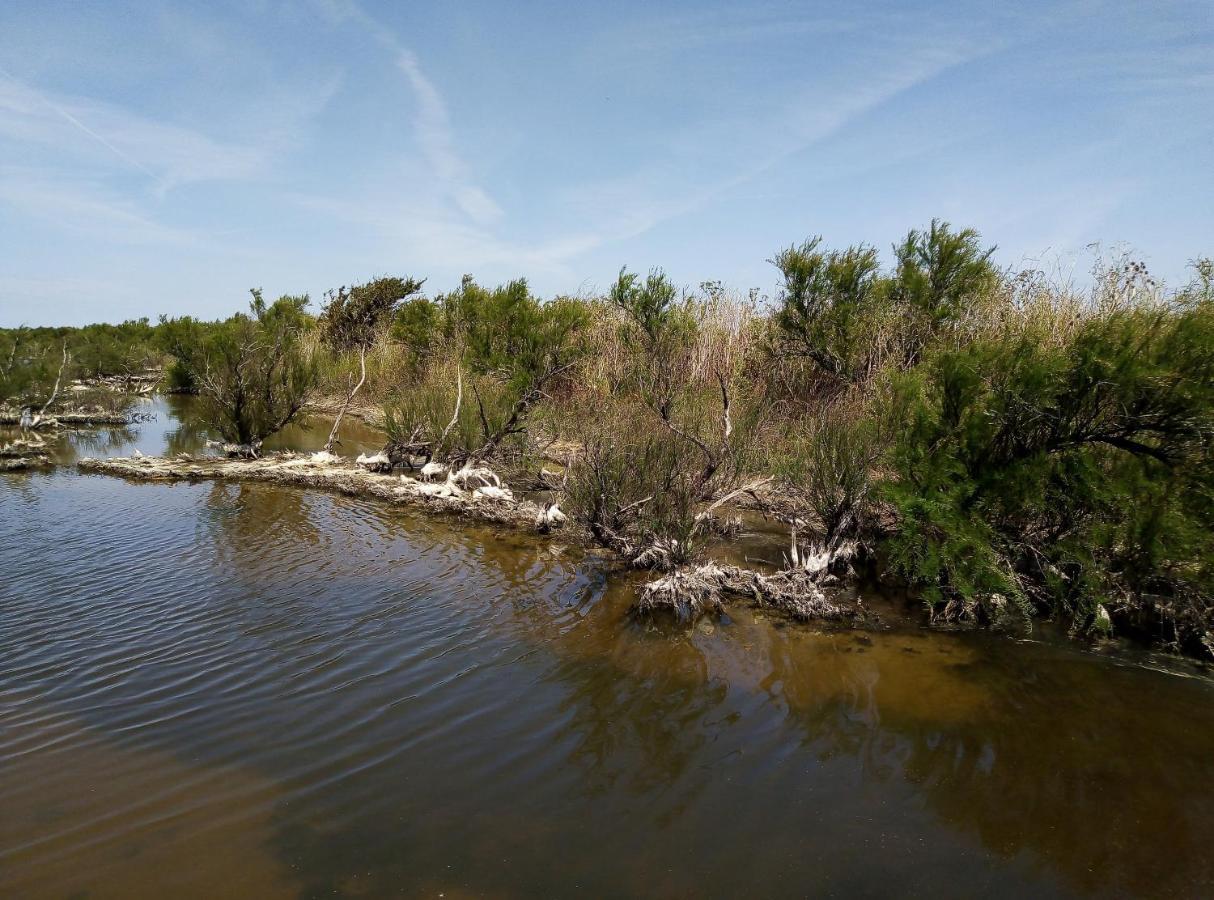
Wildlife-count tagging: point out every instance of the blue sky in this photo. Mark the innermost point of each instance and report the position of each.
(165, 157)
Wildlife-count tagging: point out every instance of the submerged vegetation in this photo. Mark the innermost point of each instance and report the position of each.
(1005, 446)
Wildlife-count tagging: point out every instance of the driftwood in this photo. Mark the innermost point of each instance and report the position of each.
(142, 383)
(41, 416)
(362, 361)
(498, 508)
(796, 591)
(702, 590)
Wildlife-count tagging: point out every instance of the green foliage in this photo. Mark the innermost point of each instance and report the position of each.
(1073, 470)
(829, 305)
(940, 272)
(509, 332)
(425, 411)
(417, 327)
(352, 317)
(179, 379)
(30, 358)
(125, 349)
(28, 364)
(180, 338)
(658, 330)
(827, 466)
(652, 304)
(636, 485)
(506, 346)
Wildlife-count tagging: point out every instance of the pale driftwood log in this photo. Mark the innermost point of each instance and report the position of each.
(376, 462)
(550, 517)
(344, 477)
(141, 383)
(432, 471)
(459, 399)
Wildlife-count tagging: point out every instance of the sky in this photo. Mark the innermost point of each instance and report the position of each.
(166, 157)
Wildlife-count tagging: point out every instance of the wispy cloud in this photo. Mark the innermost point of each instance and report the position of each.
(632, 205)
(21, 99)
(169, 155)
(442, 238)
(84, 206)
(629, 205)
(165, 153)
(737, 25)
(432, 123)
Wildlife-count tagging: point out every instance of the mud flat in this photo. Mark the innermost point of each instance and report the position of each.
(497, 508)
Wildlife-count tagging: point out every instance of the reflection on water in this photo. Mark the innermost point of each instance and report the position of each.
(243, 690)
(173, 429)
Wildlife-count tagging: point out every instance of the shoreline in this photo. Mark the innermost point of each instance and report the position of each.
(686, 594)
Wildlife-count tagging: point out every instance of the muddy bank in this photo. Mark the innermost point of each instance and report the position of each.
(20, 455)
(493, 507)
(69, 419)
(686, 594)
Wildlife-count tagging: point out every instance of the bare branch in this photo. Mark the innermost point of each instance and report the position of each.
(58, 380)
(459, 399)
(362, 359)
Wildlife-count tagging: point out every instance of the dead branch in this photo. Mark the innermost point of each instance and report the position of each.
(690, 593)
(459, 399)
(55, 392)
(362, 359)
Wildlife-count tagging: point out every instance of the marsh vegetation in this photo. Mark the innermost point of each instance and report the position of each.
(1003, 445)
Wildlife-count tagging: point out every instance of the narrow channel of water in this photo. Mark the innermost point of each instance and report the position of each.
(248, 690)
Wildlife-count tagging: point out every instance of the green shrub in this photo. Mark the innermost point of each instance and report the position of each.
(830, 307)
(1075, 473)
(637, 487)
(252, 371)
(941, 272)
(479, 360)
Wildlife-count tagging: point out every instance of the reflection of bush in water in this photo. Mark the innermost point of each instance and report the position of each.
(257, 526)
(638, 723)
(102, 440)
(1083, 788)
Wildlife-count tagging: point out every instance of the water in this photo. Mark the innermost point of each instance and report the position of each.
(248, 690)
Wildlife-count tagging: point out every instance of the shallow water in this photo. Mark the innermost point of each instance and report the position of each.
(248, 690)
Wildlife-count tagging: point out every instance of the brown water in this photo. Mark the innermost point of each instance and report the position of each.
(253, 691)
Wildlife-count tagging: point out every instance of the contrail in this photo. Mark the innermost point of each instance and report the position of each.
(74, 121)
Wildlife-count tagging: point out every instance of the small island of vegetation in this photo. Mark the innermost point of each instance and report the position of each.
(1003, 446)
